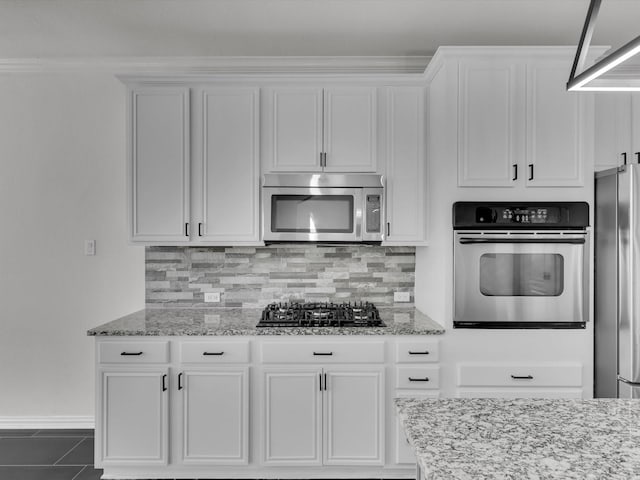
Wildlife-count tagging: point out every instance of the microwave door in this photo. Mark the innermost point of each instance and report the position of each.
(312, 214)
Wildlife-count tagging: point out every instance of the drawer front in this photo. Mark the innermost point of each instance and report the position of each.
(134, 352)
(520, 375)
(214, 352)
(323, 352)
(417, 351)
(418, 378)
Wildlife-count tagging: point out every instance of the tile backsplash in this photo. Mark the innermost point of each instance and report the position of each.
(256, 276)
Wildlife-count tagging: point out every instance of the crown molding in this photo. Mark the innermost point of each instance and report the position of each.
(204, 66)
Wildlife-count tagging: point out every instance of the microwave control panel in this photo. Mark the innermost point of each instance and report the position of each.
(512, 215)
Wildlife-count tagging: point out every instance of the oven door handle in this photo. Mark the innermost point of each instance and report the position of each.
(573, 241)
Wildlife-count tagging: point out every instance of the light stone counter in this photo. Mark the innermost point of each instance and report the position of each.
(242, 321)
(456, 439)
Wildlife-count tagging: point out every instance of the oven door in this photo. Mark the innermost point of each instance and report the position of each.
(520, 280)
(312, 214)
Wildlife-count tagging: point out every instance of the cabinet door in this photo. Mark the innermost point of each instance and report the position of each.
(354, 417)
(293, 129)
(635, 128)
(230, 169)
(215, 415)
(292, 417)
(350, 126)
(406, 166)
(158, 166)
(490, 128)
(132, 423)
(557, 123)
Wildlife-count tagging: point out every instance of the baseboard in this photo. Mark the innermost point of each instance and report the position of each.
(41, 423)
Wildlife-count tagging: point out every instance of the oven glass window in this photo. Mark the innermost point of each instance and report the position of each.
(521, 274)
(312, 213)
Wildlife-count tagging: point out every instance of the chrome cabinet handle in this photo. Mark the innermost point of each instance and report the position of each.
(522, 377)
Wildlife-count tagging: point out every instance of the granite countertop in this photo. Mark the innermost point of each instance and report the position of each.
(241, 321)
(488, 438)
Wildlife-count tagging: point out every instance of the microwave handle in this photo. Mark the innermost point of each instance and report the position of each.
(573, 241)
(359, 221)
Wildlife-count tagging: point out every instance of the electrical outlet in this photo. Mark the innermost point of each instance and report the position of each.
(212, 297)
(401, 296)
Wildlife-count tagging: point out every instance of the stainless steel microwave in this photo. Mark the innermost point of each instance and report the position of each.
(323, 207)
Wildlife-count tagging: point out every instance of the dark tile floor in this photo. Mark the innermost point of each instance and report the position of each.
(47, 455)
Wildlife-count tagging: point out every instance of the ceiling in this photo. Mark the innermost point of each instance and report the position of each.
(123, 28)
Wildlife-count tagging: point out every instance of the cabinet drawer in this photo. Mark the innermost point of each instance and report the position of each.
(214, 352)
(134, 352)
(323, 352)
(417, 351)
(520, 375)
(418, 378)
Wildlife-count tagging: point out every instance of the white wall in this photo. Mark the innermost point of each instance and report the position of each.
(62, 180)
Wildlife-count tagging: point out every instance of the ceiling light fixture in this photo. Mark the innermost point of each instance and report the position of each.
(592, 78)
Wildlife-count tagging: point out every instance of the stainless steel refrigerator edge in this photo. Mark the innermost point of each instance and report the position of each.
(617, 283)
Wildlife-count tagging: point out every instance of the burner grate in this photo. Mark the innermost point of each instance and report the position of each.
(317, 314)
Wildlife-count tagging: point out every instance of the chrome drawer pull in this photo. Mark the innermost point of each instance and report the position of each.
(426, 352)
(134, 354)
(522, 377)
(212, 353)
(425, 379)
(322, 353)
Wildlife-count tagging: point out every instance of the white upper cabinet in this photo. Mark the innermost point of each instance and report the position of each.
(557, 125)
(490, 122)
(159, 164)
(350, 122)
(617, 120)
(230, 166)
(293, 129)
(517, 124)
(311, 129)
(194, 165)
(406, 166)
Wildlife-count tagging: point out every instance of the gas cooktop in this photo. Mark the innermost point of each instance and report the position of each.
(362, 314)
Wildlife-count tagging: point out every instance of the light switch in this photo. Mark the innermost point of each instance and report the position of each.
(89, 247)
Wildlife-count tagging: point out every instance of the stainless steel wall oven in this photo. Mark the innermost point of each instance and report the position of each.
(520, 265)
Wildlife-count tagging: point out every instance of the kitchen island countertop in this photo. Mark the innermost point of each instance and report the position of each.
(490, 438)
(227, 321)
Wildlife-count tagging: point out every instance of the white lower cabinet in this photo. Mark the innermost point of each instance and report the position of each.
(292, 416)
(257, 407)
(214, 416)
(132, 416)
(323, 416)
(520, 380)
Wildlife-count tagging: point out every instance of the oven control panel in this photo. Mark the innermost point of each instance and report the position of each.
(517, 215)
(508, 215)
